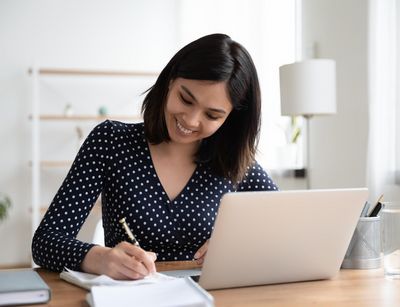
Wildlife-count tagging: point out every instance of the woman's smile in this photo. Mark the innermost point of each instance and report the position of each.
(183, 129)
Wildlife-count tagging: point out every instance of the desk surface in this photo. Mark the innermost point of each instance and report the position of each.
(348, 288)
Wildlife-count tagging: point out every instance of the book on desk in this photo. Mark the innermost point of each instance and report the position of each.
(22, 287)
(154, 290)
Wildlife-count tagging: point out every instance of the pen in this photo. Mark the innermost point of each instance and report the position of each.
(377, 207)
(376, 210)
(128, 232)
(364, 212)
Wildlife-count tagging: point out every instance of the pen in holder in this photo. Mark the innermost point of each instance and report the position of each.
(364, 251)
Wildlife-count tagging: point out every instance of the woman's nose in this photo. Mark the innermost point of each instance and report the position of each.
(192, 119)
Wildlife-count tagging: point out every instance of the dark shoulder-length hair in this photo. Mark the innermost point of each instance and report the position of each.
(216, 57)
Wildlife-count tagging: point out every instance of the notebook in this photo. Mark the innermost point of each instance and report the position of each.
(22, 287)
(180, 292)
(277, 237)
(153, 290)
(88, 281)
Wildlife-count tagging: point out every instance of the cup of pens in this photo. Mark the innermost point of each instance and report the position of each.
(364, 251)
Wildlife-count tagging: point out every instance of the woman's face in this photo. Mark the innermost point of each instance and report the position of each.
(195, 109)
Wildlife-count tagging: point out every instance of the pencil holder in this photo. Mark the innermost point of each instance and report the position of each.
(364, 251)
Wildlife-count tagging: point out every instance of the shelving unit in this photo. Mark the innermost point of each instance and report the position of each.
(97, 118)
(37, 117)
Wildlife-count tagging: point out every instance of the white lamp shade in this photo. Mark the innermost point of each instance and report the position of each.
(308, 87)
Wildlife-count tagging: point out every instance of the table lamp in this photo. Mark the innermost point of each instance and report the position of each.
(308, 88)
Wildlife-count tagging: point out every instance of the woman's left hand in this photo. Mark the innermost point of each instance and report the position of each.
(201, 253)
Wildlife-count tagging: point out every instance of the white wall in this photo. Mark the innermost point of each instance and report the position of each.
(339, 142)
(135, 34)
(121, 34)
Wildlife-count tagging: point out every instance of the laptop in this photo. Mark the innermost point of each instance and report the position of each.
(264, 238)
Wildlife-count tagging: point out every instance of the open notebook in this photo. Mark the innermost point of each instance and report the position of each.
(154, 290)
(87, 281)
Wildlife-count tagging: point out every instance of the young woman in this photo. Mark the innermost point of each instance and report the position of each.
(167, 175)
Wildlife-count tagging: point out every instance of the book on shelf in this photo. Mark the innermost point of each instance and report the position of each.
(19, 287)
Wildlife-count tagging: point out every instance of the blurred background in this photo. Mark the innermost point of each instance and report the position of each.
(67, 65)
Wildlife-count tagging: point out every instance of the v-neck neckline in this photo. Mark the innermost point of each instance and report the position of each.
(159, 181)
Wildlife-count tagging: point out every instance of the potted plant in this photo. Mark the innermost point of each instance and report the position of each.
(5, 204)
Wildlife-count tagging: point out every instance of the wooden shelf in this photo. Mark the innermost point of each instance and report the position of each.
(91, 73)
(41, 122)
(55, 117)
(54, 163)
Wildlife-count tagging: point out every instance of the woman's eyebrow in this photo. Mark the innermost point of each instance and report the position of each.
(187, 91)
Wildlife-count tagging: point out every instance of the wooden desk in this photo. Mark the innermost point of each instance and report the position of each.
(348, 288)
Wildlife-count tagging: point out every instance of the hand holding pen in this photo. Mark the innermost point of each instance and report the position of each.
(126, 260)
(139, 255)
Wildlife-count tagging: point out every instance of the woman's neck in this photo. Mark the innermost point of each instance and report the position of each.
(184, 152)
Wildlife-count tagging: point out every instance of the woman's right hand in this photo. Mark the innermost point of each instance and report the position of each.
(124, 261)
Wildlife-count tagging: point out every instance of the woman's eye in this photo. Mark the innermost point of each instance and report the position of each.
(185, 101)
(212, 117)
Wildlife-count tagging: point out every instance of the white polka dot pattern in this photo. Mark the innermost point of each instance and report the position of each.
(115, 161)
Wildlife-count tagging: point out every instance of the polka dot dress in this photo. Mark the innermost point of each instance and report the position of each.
(115, 161)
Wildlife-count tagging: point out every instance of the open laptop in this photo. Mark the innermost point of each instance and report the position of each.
(276, 237)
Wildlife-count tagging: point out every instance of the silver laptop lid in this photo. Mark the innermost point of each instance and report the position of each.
(275, 237)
